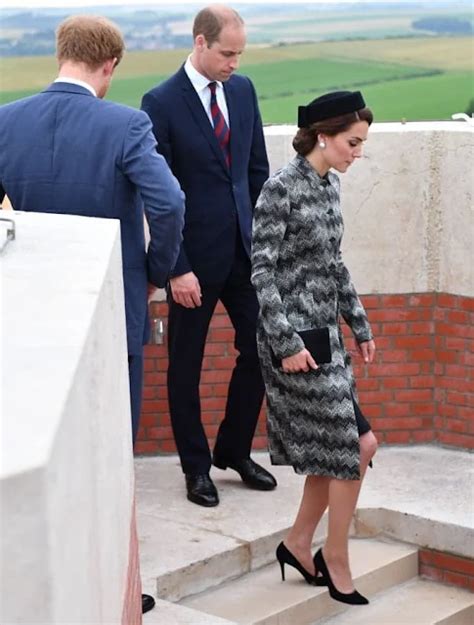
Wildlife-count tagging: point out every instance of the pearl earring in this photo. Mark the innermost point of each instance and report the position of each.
(322, 145)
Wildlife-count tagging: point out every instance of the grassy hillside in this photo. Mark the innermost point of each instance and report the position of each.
(422, 78)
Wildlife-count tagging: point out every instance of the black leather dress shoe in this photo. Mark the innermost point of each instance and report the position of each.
(252, 474)
(201, 490)
(148, 603)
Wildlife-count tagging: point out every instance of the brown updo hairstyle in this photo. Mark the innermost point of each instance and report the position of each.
(306, 138)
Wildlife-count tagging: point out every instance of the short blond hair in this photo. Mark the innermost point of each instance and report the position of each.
(88, 39)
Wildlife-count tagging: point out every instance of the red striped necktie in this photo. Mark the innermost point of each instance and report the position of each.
(221, 130)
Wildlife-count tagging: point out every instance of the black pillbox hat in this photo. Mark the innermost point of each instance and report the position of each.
(330, 105)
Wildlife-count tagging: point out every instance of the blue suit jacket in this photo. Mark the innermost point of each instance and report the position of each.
(65, 151)
(218, 200)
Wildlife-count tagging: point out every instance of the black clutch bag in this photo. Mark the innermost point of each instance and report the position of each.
(317, 343)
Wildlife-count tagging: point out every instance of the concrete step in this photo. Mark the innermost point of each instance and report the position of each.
(418, 602)
(261, 598)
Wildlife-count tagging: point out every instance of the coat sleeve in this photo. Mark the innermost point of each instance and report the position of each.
(161, 194)
(351, 307)
(159, 120)
(258, 169)
(272, 212)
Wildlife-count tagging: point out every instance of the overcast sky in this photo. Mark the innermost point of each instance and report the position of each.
(74, 4)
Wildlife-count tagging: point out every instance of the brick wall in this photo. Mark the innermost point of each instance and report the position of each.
(420, 389)
(447, 568)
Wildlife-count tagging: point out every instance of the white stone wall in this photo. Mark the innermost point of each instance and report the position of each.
(407, 206)
(66, 465)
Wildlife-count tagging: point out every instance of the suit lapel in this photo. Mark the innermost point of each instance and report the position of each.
(200, 117)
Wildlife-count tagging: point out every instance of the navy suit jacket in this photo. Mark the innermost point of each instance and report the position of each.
(218, 200)
(66, 151)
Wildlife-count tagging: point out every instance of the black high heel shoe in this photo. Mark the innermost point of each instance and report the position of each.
(284, 556)
(352, 598)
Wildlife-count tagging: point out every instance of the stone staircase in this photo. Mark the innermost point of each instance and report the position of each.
(218, 567)
(387, 572)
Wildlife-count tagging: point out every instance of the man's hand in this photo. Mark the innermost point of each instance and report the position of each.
(186, 290)
(302, 361)
(367, 350)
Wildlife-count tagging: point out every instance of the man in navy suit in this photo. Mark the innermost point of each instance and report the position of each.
(208, 127)
(66, 150)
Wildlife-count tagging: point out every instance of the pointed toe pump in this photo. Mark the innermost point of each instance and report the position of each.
(352, 598)
(284, 556)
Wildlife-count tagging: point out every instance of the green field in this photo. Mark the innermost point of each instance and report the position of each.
(415, 78)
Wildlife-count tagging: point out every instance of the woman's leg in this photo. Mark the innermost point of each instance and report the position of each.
(312, 507)
(343, 495)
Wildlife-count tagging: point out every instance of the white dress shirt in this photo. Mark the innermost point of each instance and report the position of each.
(200, 84)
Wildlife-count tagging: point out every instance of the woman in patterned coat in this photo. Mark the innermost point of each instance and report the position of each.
(313, 418)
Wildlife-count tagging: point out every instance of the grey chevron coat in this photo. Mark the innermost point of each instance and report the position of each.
(302, 283)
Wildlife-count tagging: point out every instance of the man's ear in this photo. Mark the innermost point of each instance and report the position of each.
(200, 42)
(109, 66)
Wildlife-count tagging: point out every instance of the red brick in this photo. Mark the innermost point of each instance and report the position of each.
(377, 397)
(422, 381)
(456, 425)
(403, 423)
(427, 408)
(397, 410)
(206, 390)
(447, 300)
(395, 382)
(397, 437)
(456, 440)
(459, 399)
(213, 403)
(422, 300)
(456, 579)
(398, 369)
(154, 406)
(385, 315)
(431, 573)
(424, 436)
(149, 364)
(209, 377)
(221, 335)
(394, 300)
(455, 371)
(168, 446)
(415, 395)
(413, 342)
(148, 420)
(456, 343)
(390, 329)
(146, 447)
(367, 384)
(149, 392)
(220, 321)
(370, 301)
(224, 363)
(159, 433)
(216, 349)
(395, 355)
(458, 316)
(447, 357)
(419, 314)
(449, 329)
(220, 390)
(467, 303)
(422, 354)
(150, 379)
(421, 327)
(372, 410)
(456, 384)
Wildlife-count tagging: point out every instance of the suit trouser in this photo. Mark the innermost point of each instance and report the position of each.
(187, 331)
(135, 375)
